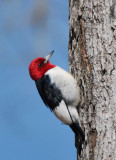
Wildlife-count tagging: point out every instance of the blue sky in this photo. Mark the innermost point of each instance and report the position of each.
(28, 130)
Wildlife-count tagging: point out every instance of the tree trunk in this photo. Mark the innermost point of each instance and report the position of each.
(92, 61)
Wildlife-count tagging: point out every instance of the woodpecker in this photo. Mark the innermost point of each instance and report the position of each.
(59, 91)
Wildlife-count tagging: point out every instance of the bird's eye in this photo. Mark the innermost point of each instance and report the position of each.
(39, 65)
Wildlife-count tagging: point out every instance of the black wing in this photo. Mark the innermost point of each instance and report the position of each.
(48, 91)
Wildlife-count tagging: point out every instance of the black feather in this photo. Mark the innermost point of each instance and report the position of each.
(78, 130)
(48, 91)
(80, 135)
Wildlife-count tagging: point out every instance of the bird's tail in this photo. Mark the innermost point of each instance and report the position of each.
(79, 134)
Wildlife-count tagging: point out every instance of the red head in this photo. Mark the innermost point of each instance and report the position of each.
(39, 66)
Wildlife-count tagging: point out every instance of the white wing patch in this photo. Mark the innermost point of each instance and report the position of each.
(61, 112)
(66, 83)
(70, 92)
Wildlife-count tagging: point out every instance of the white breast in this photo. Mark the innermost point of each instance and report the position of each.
(66, 83)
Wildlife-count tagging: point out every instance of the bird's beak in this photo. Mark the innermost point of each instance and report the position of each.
(48, 57)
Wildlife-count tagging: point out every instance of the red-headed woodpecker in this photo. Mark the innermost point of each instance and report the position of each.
(59, 91)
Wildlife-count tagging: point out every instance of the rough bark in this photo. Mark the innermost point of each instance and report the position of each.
(92, 61)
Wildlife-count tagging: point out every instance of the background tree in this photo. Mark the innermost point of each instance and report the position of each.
(92, 61)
